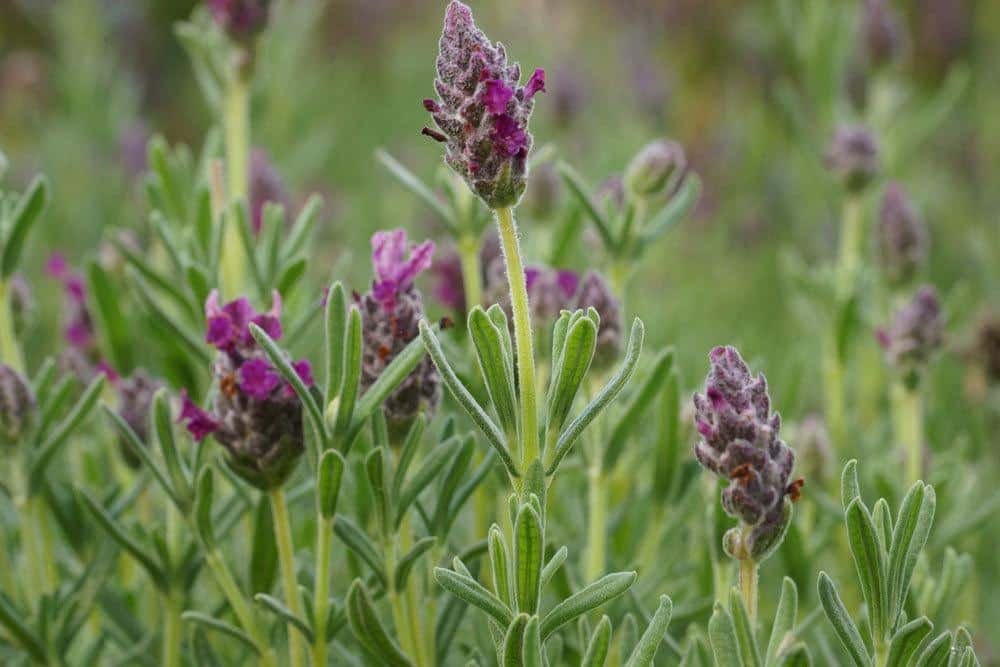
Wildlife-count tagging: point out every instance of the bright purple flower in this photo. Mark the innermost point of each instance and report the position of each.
(397, 264)
(198, 422)
(258, 379)
(483, 111)
(228, 326)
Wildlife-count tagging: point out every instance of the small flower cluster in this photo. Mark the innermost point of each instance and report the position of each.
(256, 415)
(135, 401)
(902, 237)
(265, 186)
(483, 111)
(242, 20)
(17, 404)
(739, 443)
(916, 333)
(391, 311)
(853, 156)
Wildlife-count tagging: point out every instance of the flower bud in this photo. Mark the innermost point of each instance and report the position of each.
(739, 443)
(853, 156)
(881, 33)
(594, 292)
(658, 168)
(256, 415)
(17, 405)
(482, 112)
(390, 315)
(135, 400)
(242, 20)
(916, 333)
(902, 237)
(265, 186)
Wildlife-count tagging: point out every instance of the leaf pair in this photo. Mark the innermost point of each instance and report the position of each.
(734, 643)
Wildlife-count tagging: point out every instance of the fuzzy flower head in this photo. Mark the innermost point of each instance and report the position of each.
(483, 110)
(853, 157)
(902, 237)
(915, 335)
(739, 443)
(17, 405)
(242, 20)
(255, 415)
(390, 315)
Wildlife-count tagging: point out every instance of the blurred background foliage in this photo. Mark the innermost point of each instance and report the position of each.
(752, 89)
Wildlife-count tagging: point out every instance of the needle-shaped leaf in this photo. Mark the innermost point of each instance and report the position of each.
(496, 367)
(574, 361)
(350, 385)
(645, 649)
(263, 564)
(679, 205)
(631, 417)
(23, 636)
(500, 565)
(111, 323)
(913, 527)
(849, 487)
(590, 597)
(784, 621)
(368, 628)
(336, 336)
(405, 565)
(164, 429)
(302, 228)
(579, 190)
(936, 652)
(278, 608)
(144, 454)
(513, 642)
(329, 474)
(429, 469)
(551, 567)
(907, 641)
(407, 453)
(29, 208)
(411, 182)
(118, 533)
(464, 397)
(70, 423)
(869, 561)
(465, 587)
(598, 645)
(746, 640)
(358, 542)
(212, 623)
(203, 520)
(882, 517)
(611, 390)
(843, 625)
(528, 551)
(722, 636)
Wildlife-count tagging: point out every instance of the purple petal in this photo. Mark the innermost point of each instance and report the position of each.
(258, 379)
(496, 95)
(198, 422)
(304, 370)
(536, 84)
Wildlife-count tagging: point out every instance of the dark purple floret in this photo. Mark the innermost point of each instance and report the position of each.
(17, 405)
(594, 292)
(482, 111)
(449, 283)
(255, 415)
(739, 443)
(853, 156)
(135, 401)
(265, 186)
(391, 312)
(881, 33)
(242, 20)
(902, 237)
(79, 326)
(916, 332)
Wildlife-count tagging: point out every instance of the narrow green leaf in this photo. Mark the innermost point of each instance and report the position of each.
(167, 285)
(513, 642)
(263, 564)
(496, 368)
(907, 640)
(143, 453)
(352, 378)
(278, 608)
(500, 566)
(290, 275)
(407, 453)
(841, 621)
(29, 208)
(183, 336)
(645, 650)
(675, 210)
(355, 540)
(125, 541)
(572, 432)
(632, 416)
(743, 630)
(203, 507)
(212, 623)
(550, 569)
(23, 636)
(784, 621)
(935, 653)
(471, 406)
(849, 487)
(532, 655)
(882, 517)
(164, 429)
(336, 335)
(411, 182)
(590, 597)
(913, 527)
(529, 545)
(429, 469)
(470, 590)
(302, 228)
(869, 561)
(329, 474)
(599, 645)
(722, 636)
(405, 565)
(575, 358)
(69, 424)
(577, 187)
(111, 323)
(963, 653)
(368, 628)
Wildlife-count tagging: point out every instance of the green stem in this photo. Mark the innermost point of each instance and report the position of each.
(236, 127)
(238, 603)
(472, 280)
(171, 631)
(849, 258)
(522, 335)
(10, 351)
(748, 586)
(597, 497)
(324, 531)
(36, 527)
(908, 424)
(286, 559)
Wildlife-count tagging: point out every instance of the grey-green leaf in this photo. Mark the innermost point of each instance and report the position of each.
(599, 645)
(645, 650)
(907, 640)
(869, 561)
(528, 551)
(722, 637)
(368, 629)
(590, 597)
(784, 621)
(913, 526)
(329, 474)
(841, 621)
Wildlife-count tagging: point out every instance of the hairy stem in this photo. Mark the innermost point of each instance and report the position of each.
(472, 279)
(597, 497)
(748, 586)
(286, 559)
(324, 530)
(238, 602)
(236, 126)
(522, 335)
(172, 636)
(10, 351)
(908, 425)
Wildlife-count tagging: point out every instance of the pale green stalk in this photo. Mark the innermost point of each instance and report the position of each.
(238, 603)
(748, 575)
(286, 559)
(908, 424)
(236, 127)
(324, 530)
(472, 280)
(10, 351)
(172, 634)
(522, 335)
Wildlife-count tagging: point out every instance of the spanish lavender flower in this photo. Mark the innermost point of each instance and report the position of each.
(17, 405)
(881, 33)
(916, 333)
(853, 156)
(265, 186)
(594, 292)
(449, 284)
(740, 443)
(242, 20)
(483, 111)
(549, 292)
(658, 168)
(135, 400)
(255, 415)
(391, 312)
(902, 237)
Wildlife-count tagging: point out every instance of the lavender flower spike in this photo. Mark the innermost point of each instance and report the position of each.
(17, 405)
(740, 443)
(902, 237)
(390, 315)
(853, 156)
(916, 333)
(242, 20)
(483, 111)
